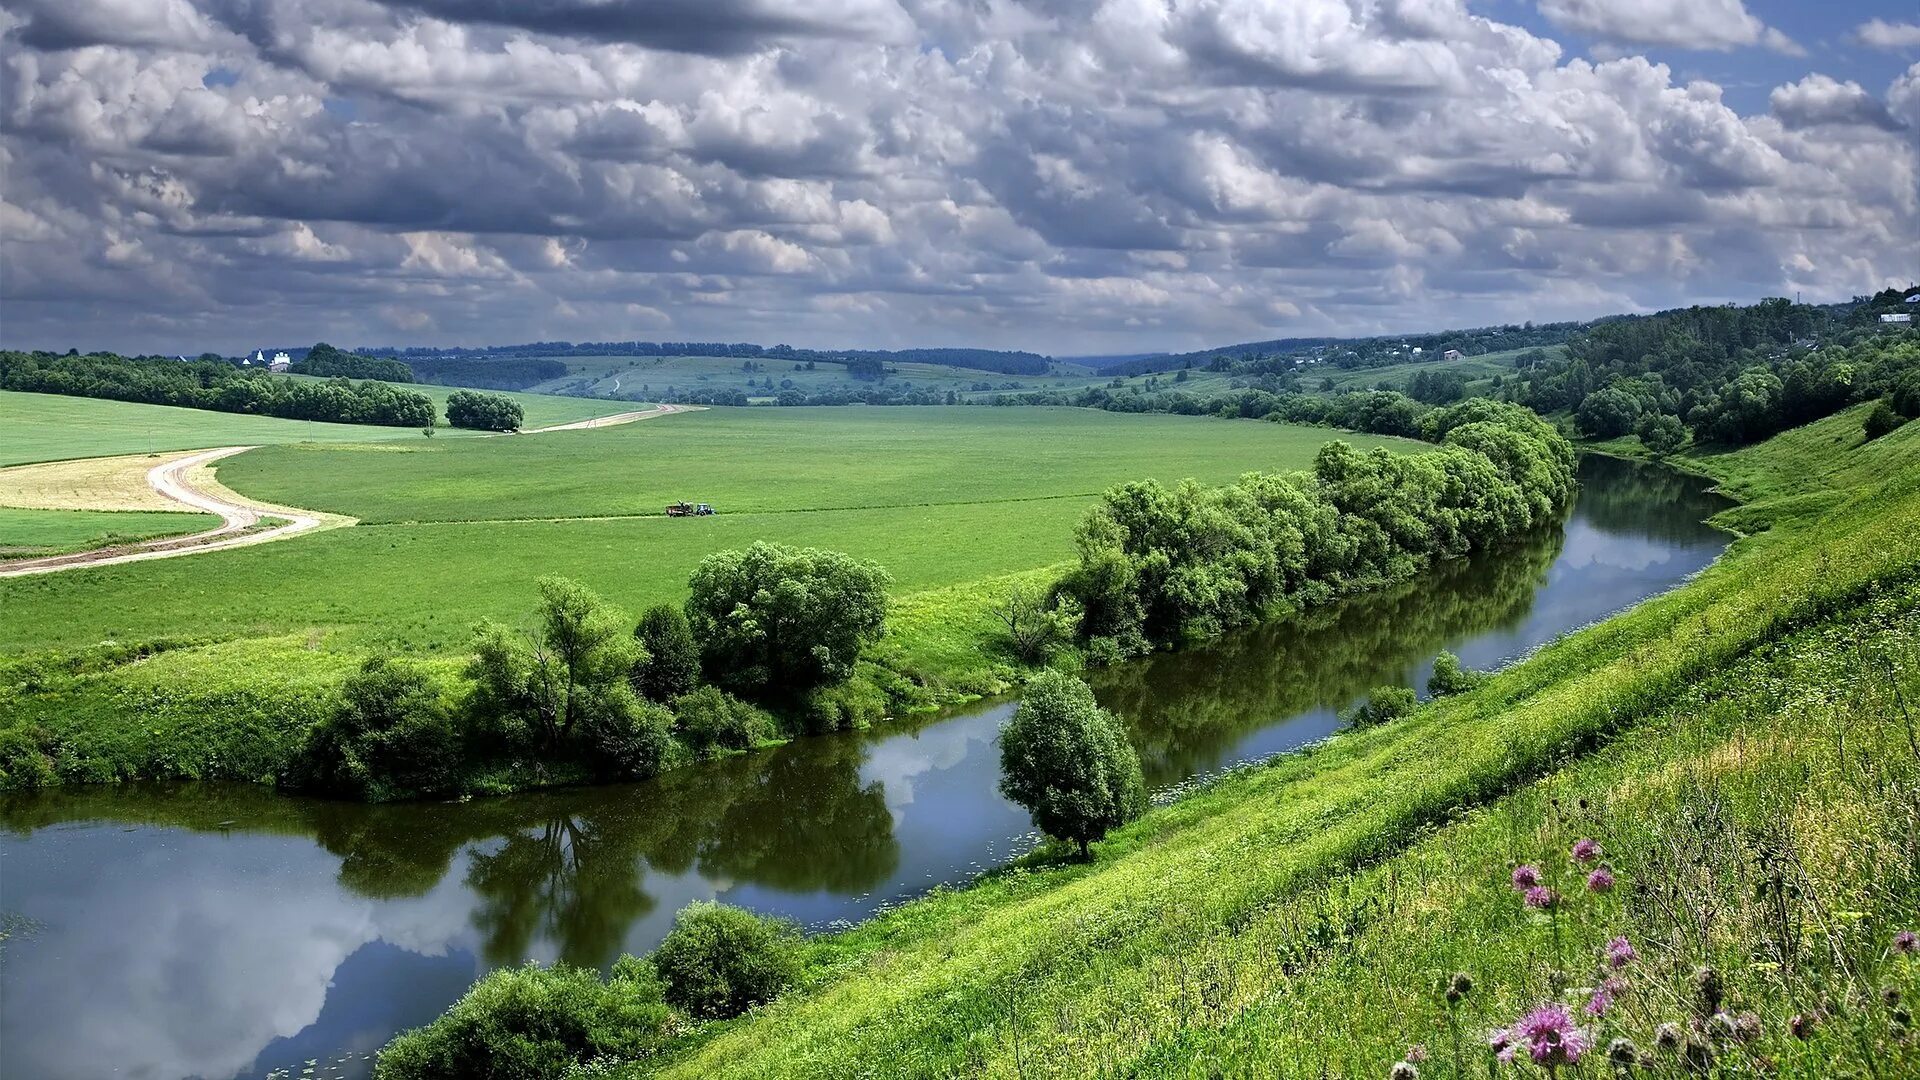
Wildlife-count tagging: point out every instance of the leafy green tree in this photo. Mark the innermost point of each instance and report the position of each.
(711, 719)
(1068, 762)
(671, 664)
(719, 961)
(1450, 678)
(391, 736)
(532, 1023)
(775, 623)
(573, 664)
(1035, 629)
(1661, 433)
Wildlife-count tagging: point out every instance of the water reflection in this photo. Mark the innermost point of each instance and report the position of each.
(220, 931)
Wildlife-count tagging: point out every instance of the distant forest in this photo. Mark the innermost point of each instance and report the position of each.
(1006, 363)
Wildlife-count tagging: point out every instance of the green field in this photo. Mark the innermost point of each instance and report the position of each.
(52, 427)
(1303, 917)
(54, 532)
(940, 497)
(634, 377)
(1479, 371)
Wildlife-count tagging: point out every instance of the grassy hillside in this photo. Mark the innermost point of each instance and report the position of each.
(25, 533)
(632, 376)
(1303, 917)
(1479, 371)
(52, 427)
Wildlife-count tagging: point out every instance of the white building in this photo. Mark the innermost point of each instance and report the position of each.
(1899, 316)
(281, 362)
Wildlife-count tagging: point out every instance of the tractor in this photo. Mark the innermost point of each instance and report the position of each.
(687, 509)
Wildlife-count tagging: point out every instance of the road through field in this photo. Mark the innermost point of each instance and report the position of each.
(243, 521)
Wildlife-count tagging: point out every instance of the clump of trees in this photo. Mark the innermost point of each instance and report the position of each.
(476, 411)
(669, 663)
(391, 735)
(215, 385)
(323, 359)
(1383, 704)
(1069, 763)
(1450, 677)
(1159, 565)
(776, 623)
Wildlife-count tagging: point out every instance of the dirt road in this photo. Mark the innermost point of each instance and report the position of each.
(188, 481)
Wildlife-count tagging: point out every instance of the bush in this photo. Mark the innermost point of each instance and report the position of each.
(1068, 762)
(1035, 629)
(1882, 420)
(719, 961)
(776, 623)
(1383, 704)
(392, 736)
(531, 1023)
(482, 412)
(672, 663)
(1661, 433)
(1450, 678)
(710, 718)
(25, 761)
(540, 686)
(854, 705)
(625, 738)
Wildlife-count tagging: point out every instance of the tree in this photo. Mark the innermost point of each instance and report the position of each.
(671, 664)
(1882, 420)
(1035, 630)
(391, 736)
(575, 663)
(775, 623)
(1450, 678)
(483, 412)
(1384, 703)
(1068, 762)
(1661, 433)
(719, 961)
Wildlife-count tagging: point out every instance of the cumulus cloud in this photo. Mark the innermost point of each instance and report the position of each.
(1882, 34)
(1819, 100)
(1688, 24)
(1096, 175)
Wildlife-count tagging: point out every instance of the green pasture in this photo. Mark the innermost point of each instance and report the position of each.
(783, 459)
(637, 376)
(53, 427)
(55, 532)
(1477, 369)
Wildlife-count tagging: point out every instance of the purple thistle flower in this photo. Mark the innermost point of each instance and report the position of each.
(1586, 850)
(1620, 953)
(1906, 942)
(1500, 1041)
(1599, 1002)
(1601, 880)
(1542, 897)
(1525, 876)
(1550, 1036)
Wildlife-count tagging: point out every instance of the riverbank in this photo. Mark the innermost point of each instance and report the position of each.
(1368, 868)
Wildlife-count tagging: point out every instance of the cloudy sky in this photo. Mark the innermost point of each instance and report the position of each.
(1069, 176)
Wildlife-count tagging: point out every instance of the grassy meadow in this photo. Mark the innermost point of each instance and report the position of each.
(25, 533)
(1742, 749)
(636, 376)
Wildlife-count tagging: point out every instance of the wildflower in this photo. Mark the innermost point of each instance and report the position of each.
(1403, 1070)
(1500, 1041)
(1601, 880)
(1623, 1053)
(1550, 1037)
(1746, 1026)
(1620, 953)
(1525, 876)
(1459, 987)
(1417, 1053)
(1802, 1026)
(1599, 1002)
(1541, 897)
(1667, 1036)
(1906, 942)
(1585, 850)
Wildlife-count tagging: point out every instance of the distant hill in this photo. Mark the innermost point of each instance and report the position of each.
(996, 360)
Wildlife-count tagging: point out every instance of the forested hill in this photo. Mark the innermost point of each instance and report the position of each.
(1364, 352)
(1004, 362)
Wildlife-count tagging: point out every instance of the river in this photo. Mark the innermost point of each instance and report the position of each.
(223, 931)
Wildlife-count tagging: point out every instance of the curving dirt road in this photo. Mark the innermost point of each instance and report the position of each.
(241, 518)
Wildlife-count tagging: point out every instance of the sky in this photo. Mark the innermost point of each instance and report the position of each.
(1067, 176)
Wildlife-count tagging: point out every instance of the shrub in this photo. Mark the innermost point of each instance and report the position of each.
(1383, 704)
(482, 412)
(625, 738)
(391, 736)
(672, 663)
(710, 718)
(547, 681)
(719, 961)
(1882, 420)
(1450, 678)
(775, 623)
(1036, 630)
(25, 761)
(1068, 762)
(530, 1023)
(1661, 433)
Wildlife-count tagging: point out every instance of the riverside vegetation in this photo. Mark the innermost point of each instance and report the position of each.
(1500, 880)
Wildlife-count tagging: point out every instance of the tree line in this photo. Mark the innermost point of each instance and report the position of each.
(215, 385)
